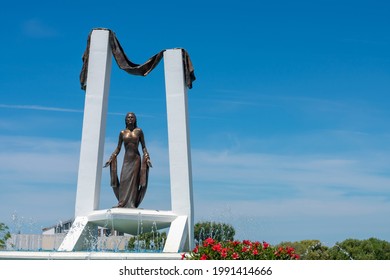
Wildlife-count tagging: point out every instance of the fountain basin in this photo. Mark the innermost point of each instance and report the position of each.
(128, 220)
(18, 255)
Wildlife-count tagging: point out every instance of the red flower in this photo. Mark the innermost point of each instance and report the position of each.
(247, 242)
(279, 251)
(255, 252)
(290, 250)
(203, 257)
(224, 253)
(208, 241)
(235, 256)
(217, 247)
(196, 249)
(265, 245)
(244, 249)
(183, 256)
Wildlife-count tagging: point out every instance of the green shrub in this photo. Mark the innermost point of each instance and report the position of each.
(4, 235)
(216, 231)
(148, 241)
(353, 249)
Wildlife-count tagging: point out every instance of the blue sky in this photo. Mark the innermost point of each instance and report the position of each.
(289, 114)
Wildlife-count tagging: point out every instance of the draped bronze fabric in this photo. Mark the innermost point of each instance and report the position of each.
(132, 68)
(114, 177)
(143, 184)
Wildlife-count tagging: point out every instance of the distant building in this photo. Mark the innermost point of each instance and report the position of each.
(64, 227)
(61, 227)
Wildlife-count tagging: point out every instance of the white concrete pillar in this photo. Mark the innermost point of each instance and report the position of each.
(94, 123)
(179, 140)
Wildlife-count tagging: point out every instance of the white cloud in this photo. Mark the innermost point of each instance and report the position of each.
(300, 171)
(329, 219)
(293, 197)
(38, 29)
(40, 108)
(39, 160)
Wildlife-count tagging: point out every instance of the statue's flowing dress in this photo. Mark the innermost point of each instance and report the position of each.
(130, 174)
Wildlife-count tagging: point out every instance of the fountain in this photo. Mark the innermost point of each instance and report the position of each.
(82, 236)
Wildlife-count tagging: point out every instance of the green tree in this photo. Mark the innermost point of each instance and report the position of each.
(202, 231)
(216, 231)
(353, 249)
(4, 235)
(148, 241)
(309, 249)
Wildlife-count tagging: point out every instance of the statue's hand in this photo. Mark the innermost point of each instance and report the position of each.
(107, 163)
(147, 159)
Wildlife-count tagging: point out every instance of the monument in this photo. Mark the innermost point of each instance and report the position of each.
(95, 79)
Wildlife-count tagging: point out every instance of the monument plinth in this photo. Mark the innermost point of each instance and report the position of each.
(88, 216)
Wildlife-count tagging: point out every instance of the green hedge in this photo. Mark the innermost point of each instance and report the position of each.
(349, 249)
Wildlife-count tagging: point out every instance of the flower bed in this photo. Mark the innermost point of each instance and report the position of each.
(236, 250)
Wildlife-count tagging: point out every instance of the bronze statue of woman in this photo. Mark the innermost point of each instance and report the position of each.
(131, 188)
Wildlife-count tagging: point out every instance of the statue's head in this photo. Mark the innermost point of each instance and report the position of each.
(131, 118)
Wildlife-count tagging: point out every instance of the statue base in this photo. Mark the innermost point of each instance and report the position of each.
(128, 220)
(18, 255)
